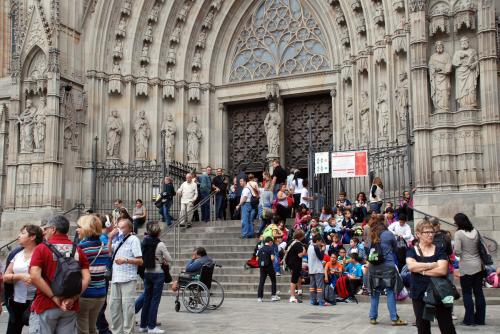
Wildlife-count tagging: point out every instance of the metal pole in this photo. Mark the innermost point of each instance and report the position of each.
(408, 148)
(94, 176)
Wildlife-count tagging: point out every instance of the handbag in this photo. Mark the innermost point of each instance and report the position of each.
(166, 270)
(484, 254)
(290, 201)
(108, 274)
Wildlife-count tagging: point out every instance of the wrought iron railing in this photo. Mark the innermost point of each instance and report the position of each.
(175, 228)
(491, 243)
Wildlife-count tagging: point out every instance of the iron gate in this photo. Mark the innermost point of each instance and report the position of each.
(137, 180)
(390, 163)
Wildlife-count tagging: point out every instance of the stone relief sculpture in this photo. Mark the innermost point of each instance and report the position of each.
(272, 124)
(365, 118)
(202, 39)
(148, 34)
(194, 136)
(114, 128)
(439, 73)
(194, 87)
(170, 129)
(383, 110)
(466, 74)
(115, 80)
(176, 34)
(208, 20)
(118, 49)
(142, 132)
(122, 26)
(127, 7)
(183, 12)
(145, 54)
(196, 64)
(171, 56)
(39, 130)
(26, 121)
(155, 11)
(402, 98)
(348, 123)
(169, 88)
(141, 86)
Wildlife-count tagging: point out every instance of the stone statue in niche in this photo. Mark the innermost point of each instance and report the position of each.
(115, 79)
(114, 128)
(272, 124)
(142, 132)
(216, 4)
(194, 137)
(439, 73)
(145, 54)
(155, 11)
(466, 73)
(118, 49)
(176, 34)
(148, 34)
(208, 20)
(183, 12)
(141, 86)
(402, 98)
(202, 39)
(196, 64)
(171, 56)
(27, 123)
(170, 129)
(365, 118)
(122, 26)
(383, 110)
(169, 88)
(194, 87)
(127, 7)
(39, 131)
(348, 123)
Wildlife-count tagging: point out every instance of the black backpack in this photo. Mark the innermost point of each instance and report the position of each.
(264, 258)
(254, 200)
(67, 280)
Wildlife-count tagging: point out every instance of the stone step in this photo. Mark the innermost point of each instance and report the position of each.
(223, 262)
(188, 236)
(205, 242)
(230, 248)
(218, 256)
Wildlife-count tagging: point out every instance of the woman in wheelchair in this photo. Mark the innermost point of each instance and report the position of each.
(199, 258)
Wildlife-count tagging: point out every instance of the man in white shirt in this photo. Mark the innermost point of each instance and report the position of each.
(401, 228)
(246, 210)
(188, 192)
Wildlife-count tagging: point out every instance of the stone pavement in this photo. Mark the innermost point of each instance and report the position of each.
(248, 316)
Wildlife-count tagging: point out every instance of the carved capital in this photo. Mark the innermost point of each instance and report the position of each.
(417, 5)
(272, 90)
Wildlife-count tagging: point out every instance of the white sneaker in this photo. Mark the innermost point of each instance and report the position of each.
(293, 300)
(259, 300)
(156, 330)
(143, 330)
(278, 274)
(275, 298)
(454, 317)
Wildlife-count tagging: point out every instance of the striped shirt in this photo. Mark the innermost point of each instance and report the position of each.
(97, 286)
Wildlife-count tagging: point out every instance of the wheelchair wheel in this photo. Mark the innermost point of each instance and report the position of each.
(195, 297)
(216, 295)
(177, 306)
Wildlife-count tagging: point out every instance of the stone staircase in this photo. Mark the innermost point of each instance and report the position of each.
(223, 244)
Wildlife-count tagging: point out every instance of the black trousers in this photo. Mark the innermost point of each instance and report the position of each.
(443, 316)
(473, 284)
(16, 310)
(264, 272)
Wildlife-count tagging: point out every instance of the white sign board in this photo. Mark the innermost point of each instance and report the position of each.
(349, 164)
(321, 163)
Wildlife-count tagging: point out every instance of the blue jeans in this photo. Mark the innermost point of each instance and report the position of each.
(391, 303)
(165, 212)
(153, 287)
(139, 303)
(375, 206)
(205, 208)
(219, 200)
(246, 220)
(101, 323)
(473, 284)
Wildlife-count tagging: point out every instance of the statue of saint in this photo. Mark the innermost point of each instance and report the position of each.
(402, 98)
(114, 128)
(170, 129)
(142, 132)
(26, 121)
(196, 64)
(272, 124)
(365, 118)
(194, 137)
(467, 72)
(39, 131)
(349, 123)
(383, 110)
(439, 72)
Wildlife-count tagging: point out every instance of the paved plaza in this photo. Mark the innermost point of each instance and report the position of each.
(247, 316)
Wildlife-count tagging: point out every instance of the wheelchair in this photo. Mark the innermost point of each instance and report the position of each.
(199, 292)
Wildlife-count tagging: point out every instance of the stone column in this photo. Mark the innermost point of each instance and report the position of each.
(3, 144)
(333, 94)
(54, 149)
(419, 83)
(489, 93)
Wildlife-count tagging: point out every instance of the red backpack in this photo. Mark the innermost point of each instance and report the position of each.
(341, 286)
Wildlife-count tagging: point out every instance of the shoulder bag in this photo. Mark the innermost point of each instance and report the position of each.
(108, 274)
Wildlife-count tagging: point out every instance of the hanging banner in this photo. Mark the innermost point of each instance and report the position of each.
(349, 164)
(321, 163)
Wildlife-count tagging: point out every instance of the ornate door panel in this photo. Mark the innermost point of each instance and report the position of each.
(247, 137)
(297, 111)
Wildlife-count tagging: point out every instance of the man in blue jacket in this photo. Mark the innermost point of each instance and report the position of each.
(199, 258)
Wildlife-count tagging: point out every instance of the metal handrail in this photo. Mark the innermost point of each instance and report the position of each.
(491, 241)
(175, 227)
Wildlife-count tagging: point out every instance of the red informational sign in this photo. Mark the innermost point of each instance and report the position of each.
(349, 164)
